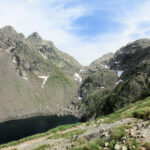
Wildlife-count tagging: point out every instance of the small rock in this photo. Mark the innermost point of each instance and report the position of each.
(117, 147)
(135, 128)
(131, 133)
(107, 136)
(101, 130)
(138, 133)
(106, 144)
(124, 148)
(139, 125)
(123, 141)
(142, 148)
(133, 147)
(124, 138)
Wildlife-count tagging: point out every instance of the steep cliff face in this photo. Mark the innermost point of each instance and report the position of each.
(126, 79)
(99, 82)
(102, 62)
(35, 77)
(132, 64)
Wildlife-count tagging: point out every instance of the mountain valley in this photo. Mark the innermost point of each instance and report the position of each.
(38, 81)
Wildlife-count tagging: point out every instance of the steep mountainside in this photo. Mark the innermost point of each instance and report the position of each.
(98, 83)
(132, 63)
(35, 77)
(128, 73)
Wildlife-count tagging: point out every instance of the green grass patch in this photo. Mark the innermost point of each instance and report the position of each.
(77, 142)
(42, 147)
(16, 83)
(142, 113)
(91, 146)
(69, 134)
(98, 144)
(59, 77)
(118, 132)
(133, 144)
(140, 109)
(147, 145)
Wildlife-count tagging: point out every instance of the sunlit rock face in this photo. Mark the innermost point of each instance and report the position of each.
(36, 78)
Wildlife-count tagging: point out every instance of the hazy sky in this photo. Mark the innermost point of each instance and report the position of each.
(86, 29)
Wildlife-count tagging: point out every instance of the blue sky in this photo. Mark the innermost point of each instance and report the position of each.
(86, 29)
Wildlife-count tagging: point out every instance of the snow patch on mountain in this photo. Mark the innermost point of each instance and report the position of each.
(105, 66)
(25, 78)
(14, 61)
(77, 77)
(119, 82)
(45, 79)
(119, 73)
(102, 87)
(44, 56)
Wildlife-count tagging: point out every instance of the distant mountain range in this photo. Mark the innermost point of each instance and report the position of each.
(37, 79)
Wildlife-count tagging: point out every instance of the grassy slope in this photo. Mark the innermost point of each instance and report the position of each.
(140, 109)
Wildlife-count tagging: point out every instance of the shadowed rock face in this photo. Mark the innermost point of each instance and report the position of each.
(133, 62)
(126, 79)
(35, 77)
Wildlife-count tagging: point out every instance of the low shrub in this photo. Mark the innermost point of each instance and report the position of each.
(118, 132)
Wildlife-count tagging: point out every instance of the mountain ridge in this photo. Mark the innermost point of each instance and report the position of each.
(57, 81)
(130, 65)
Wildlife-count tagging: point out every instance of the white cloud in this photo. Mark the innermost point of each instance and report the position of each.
(54, 22)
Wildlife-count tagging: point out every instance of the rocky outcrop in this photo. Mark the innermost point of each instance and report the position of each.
(132, 64)
(102, 62)
(125, 76)
(99, 82)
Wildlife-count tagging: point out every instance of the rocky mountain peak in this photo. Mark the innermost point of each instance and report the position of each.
(9, 36)
(141, 42)
(131, 54)
(102, 62)
(133, 47)
(9, 32)
(36, 72)
(8, 29)
(34, 37)
(104, 58)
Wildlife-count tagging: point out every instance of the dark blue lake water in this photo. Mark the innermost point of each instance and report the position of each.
(17, 129)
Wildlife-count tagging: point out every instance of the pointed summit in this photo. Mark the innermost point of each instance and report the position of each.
(34, 37)
(8, 29)
(102, 62)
